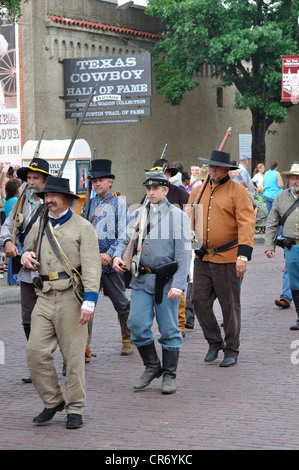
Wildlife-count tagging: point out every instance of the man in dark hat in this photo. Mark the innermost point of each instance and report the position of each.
(108, 214)
(19, 222)
(162, 260)
(224, 224)
(67, 288)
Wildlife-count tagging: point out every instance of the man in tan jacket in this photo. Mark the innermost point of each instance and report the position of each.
(59, 315)
(225, 224)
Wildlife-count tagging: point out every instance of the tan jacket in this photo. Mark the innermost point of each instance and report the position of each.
(226, 214)
(78, 240)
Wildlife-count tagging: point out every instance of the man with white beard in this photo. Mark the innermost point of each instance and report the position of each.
(285, 212)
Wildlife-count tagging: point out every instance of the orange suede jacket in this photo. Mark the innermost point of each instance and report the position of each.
(225, 213)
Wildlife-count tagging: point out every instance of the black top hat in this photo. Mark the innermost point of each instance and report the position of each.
(57, 185)
(161, 162)
(101, 168)
(37, 164)
(219, 158)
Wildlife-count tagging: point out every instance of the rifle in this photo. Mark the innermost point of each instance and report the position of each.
(164, 151)
(129, 251)
(202, 187)
(85, 209)
(18, 216)
(44, 217)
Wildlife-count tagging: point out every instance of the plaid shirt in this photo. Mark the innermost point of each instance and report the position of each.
(110, 223)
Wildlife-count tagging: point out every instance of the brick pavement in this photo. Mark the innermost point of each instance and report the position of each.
(250, 406)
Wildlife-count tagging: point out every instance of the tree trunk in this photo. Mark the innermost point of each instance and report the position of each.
(258, 130)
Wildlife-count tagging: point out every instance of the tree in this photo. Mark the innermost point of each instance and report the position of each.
(11, 10)
(242, 40)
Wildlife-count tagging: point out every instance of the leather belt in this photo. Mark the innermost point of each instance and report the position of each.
(55, 276)
(204, 251)
(146, 270)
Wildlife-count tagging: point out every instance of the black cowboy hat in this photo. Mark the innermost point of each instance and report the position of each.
(101, 168)
(57, 185)
(158, 164)
(37, 164)
(219, 158)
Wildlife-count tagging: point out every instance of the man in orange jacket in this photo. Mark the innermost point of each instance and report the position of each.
(226, 227)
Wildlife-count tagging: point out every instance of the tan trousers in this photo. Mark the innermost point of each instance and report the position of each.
(55, 320)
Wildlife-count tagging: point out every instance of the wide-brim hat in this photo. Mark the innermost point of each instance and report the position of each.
(37, 164)
(57, 185)
(101, 168)
(294, 171)
(155, 178)
(163, 162)
(219, 158)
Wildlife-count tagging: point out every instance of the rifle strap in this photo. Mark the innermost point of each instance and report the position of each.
(284, 217)
(31, 222)
(102, 206)
(68, 266)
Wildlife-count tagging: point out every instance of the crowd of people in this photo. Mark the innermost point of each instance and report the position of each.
(188, 244)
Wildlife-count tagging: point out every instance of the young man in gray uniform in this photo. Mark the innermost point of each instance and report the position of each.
(161, 266)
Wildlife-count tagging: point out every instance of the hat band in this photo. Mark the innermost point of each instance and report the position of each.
(37, 169)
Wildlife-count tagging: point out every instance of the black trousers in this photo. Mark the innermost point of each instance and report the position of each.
(212, 281)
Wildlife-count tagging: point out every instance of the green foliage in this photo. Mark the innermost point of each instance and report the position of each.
(10, 10)
(242, 40)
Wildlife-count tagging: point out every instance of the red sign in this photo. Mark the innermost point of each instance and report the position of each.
(290, 78)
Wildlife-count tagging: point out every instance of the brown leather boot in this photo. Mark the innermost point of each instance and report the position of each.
(127, 346)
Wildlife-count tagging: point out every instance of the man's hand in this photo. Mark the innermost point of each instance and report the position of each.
(269, 253)
(29, 260)
(174, 294)
(105, 259)
(241, 267)
(118, 265)
(11, 250)
(85, 316)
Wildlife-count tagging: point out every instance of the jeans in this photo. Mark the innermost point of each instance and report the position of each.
(269, 203)
(142, 312)
(286, 291)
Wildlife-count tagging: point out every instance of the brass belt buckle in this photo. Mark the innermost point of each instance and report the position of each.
(53, 276)
(210, 251)
(147, 270)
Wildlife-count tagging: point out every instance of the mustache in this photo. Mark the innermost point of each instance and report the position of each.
(32, 187)
(53, 203)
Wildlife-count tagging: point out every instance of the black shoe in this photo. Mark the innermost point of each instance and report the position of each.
(295, 327)
(48, 413)
(212, 354)
(74, 421)
(228, 362)
(27, 380)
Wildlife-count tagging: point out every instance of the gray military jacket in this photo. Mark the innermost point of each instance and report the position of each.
(167, 239)
(281, 204)
(7, 234)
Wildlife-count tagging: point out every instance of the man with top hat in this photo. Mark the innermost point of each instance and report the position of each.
(161, 266)
(67, 289)
(108, 213)
(34, 178)
(224, 226)
(285, 213)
